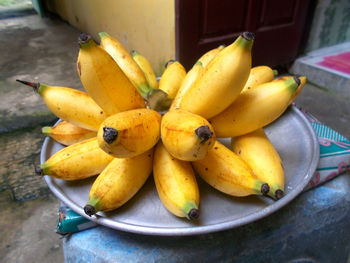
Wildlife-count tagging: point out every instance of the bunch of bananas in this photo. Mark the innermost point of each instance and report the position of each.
(127, 125)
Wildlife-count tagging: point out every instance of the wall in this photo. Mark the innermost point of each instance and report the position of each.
(145, 26)
(330, 25)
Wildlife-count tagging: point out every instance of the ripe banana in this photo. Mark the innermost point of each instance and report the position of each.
(228, 173)
(119, 182)
(303, 81)
(103, 79)
(222, 80)
(172, 78)
(255, 108)
(176, 184)
(125, 61)
(129, 133)
(71, 105)
(192, 75)
(147, 69)
(186, 136)
(209, 55)
(259, 75)
(75, 162)
(257, 150)
(67, 134)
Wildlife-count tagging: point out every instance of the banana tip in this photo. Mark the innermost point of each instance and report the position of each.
(297, 80)
(193, 214)
(109, 134)
(38, 170)
(248, 36)
(279, 194)
(84, 38)
(89, 210)
(204, 133)
(265, 188)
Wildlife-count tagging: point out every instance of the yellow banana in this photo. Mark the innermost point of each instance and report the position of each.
(67, 133)
(125, 61)
(129, 133)
(176, 184)
(192, 75)
(209, 55)
(259, 75)
(255, 108)
(227, 172)
(71, 105)
(146, 67)
(303, 81)
(259, 153)
(186, 136)
(172, 78)
(222, 80)
(103, 79)
(77, 161)
(119, 182)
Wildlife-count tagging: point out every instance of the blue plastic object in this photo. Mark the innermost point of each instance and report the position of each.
(314, 227)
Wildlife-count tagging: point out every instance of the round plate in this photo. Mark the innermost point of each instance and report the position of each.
(291, 134)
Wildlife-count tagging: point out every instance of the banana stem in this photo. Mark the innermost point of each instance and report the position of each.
(92, 206)
(190, 210)
(34, 85)
(265, 188)
(204, 133)
(109, 134)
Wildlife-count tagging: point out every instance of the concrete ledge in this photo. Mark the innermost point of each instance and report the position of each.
(321, 76)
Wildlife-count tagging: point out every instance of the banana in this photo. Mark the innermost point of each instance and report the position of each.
(227, 172)
(255, 108)
(67, 134)
(192, 75)
(259, 75)
(75, 162)
(172, 78)
(119, 182)
(209, 55)
(186, 136)
(125, 61)
(303, 81)
(71, 105)
(103, 79)
(147, 69)
(222, 80)
(257, 150)
(129, 133)
(176, 184)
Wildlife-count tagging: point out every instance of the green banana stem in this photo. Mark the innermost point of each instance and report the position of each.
(46, 130)
(92, 206)
(85, 40)
(103, 34)
(134, 53)
(144, 90)
(190, 210)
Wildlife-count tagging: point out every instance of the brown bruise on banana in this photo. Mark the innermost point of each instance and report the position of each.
(79, 68)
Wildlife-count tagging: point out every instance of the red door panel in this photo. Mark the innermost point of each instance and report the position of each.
(204, 24)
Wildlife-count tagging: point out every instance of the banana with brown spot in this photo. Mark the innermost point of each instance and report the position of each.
(186, 136)
(227, 172)
(129, 133)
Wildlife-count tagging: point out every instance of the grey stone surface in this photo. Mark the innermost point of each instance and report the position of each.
(39, 50)
(27, 230)
(327, 106)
